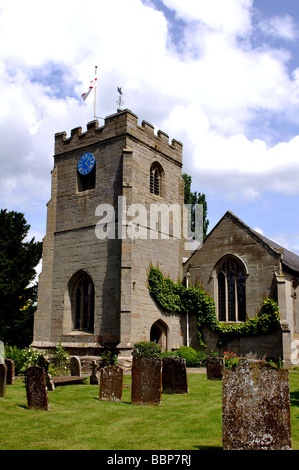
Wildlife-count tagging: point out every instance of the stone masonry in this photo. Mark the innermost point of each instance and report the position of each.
(123, 309)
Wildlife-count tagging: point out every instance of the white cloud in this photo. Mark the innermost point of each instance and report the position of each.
(206, 93)
(234, 166)
(279, 27)
(230, 17)
(259, 230)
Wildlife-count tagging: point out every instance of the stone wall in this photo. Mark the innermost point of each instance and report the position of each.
(230, 237)
(124, 311)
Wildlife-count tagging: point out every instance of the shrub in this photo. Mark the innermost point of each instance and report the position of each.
(23, 358)
(147, 349)
(108, 359)
(189, 354)
(193, 358)
(58, 358)
(15, 354)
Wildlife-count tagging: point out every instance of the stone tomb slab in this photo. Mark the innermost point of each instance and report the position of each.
(111, 383)
(3, 376)
(256, 408)
(215, 368)
(174, 375)
(36, 390)
(146, 381)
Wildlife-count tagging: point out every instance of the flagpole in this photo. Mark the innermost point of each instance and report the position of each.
(95, 94)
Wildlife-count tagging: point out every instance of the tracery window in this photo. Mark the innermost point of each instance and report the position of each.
(231, 278)
(156, 179)
(83, 303)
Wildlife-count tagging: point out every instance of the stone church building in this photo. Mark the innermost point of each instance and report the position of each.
(98, 248)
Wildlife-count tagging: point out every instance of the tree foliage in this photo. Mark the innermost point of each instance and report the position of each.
(18, 291)
(194, 198)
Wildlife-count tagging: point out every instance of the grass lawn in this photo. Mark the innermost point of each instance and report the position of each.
(77, 420)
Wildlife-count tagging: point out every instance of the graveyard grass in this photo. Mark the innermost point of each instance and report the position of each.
(78, 420)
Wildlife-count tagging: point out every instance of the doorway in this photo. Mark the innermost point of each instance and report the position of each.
(158, 334)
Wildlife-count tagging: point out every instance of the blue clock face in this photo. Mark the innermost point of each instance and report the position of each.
(86, 163)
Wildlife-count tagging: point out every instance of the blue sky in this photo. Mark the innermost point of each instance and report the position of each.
(220, 76)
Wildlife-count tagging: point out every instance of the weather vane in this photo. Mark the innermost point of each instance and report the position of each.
(119, 102)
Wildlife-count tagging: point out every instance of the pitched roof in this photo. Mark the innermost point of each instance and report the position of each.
(289, 260)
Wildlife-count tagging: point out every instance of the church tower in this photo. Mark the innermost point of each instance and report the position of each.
(93, 286)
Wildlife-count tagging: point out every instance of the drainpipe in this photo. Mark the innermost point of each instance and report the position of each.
(187, 275)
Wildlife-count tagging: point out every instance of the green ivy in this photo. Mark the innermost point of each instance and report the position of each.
(174, 297)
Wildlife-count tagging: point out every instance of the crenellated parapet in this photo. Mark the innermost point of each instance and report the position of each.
(119, 124)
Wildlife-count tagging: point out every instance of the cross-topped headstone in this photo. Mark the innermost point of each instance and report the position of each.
(94, 380)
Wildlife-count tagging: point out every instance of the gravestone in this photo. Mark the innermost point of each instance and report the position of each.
(44, 362)
(146, 381)
(215, 368)
(75, 366)
(256, 407)
(3, 375)
(111, 384)
(10, 380)
(94, 380)
(2, 352)
(174, 375)
(36, 390)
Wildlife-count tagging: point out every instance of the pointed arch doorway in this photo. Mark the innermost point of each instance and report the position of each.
(158, 334)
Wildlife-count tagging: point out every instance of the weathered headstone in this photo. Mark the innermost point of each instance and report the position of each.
(36, 390)
(44, 362)
(94, 380)
(215, 368)
(75, 366)
(174, 375)
(3, 375)
(111, 384)
(2, 352)
(256, 408)
(146, 381)
(10, 380)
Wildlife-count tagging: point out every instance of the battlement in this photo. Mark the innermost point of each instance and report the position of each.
(121, 123)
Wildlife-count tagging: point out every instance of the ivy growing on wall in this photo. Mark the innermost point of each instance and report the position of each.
(174, 297)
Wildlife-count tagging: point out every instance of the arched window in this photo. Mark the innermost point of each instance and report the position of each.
(231, 277)
(83, 304)
(156, 179)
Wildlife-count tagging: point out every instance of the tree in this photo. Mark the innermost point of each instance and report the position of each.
(194, 198)
(18, 289)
